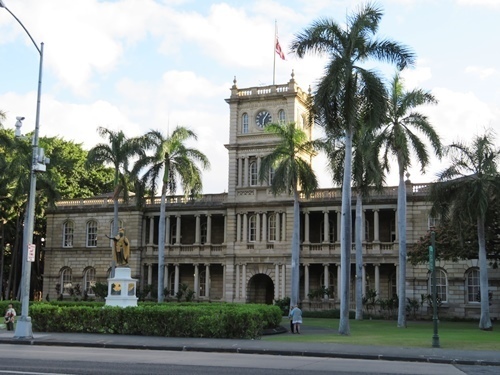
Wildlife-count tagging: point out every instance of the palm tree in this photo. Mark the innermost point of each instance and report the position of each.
(117, 153)
(398, 138)
(337, 99)
(172, 162)
(291, 163)
(465, 191)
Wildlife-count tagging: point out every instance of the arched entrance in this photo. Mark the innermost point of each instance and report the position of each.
(261, 289)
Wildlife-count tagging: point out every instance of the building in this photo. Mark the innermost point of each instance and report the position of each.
(236, 246)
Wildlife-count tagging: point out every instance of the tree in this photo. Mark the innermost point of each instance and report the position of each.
(337, 99)
(171, 163)
(290, 163)
(398, 138)
(117, 153)
(467, 189)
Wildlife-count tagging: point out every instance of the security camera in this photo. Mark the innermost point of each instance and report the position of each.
(20, 118)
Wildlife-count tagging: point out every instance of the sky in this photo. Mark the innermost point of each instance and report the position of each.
(137, 65)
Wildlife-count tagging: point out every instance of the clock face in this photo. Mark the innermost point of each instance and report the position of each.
(263, 118)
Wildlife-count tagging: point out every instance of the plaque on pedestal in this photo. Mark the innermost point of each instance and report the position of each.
(122, 289)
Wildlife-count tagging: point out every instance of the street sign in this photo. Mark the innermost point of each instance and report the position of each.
(31, 252)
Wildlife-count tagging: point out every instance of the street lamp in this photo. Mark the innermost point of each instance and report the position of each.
(24, 327)
(432, 264)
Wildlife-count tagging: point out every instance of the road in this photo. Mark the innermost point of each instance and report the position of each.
(34, 360)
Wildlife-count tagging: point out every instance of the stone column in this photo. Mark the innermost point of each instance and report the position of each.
(326, 278)
(178, 231)
(209, 229)
(240, 171)
(167, 230)
(377, 279)
(245, 228)
(276, 281)
(283, 227)
(238, 227)
(197, 235)
(363, 278)
(223, 282)
(396, 225)
(225, 228)
(196, 281)
(326, 227)
(237, 296)
(165, 277)
(339, 218)
(176, 278)
(207, 280)
(257, 227)
(376, 226)
(278, 229)
(397, 277)
(306, 226)
(151, 229)
(244, 283)
(150, 274)
(283, 280)
(306, 281)
(245, 173)
(264, 226)
(339, 276)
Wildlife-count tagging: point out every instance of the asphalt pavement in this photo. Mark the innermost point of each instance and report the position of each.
(292, 347)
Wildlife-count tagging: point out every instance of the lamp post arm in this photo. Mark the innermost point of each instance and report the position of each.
(2, 5)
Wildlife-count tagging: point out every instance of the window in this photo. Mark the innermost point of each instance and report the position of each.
(472, 285)
(66, 283)
(271, 227)
(203, 238)
(281, 116)
(393, 286)
(171, 283)
(331, 280)
(244, 123)
(441, 285)
(367, 230)
(253, 173)
(92, 233)
(272, 173)
(203, 283)
(173, 233)
(89, 280)
(252, 228)
(68, 230)
(432, 222)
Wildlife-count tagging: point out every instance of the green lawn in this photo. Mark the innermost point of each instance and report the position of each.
(452, 335)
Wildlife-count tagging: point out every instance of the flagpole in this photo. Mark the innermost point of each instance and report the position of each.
(274, 51)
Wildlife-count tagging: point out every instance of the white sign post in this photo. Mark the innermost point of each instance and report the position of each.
(31, 252)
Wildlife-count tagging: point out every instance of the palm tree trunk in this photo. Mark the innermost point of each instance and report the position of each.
(295, 250)
(402, 249)
(359, 256)
(161, 245)
(345, 238)
(485, 321)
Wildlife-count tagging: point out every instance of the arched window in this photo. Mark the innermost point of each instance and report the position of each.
(441, 285)
(472, 285)
(252, 228)
(244, 123)
(281, 116)
(91, 233)
(68, 230)
(271, 227)
(253, 173)
(65, 281)
(89, 280)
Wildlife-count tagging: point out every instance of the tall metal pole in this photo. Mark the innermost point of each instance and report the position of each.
(24, 326)
(435, 336)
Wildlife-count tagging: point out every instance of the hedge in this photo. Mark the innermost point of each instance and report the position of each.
(168, 320)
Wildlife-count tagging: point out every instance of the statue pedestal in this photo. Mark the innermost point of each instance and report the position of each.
(122, 289)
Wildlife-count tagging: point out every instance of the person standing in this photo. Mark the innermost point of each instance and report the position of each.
(10, 316)
(296, 315)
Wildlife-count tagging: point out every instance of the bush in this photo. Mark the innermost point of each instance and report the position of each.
(172, 320)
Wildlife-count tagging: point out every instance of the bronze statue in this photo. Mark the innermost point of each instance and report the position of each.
(121, 248)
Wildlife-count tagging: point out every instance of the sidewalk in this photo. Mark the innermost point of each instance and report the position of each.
(290, 348)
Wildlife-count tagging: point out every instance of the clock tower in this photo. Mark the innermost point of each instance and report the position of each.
(251, 109)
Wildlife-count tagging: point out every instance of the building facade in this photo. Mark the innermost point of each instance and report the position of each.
(236, 246)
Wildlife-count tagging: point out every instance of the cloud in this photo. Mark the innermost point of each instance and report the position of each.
(482, 73)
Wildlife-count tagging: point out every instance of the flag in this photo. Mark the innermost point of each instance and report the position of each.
(279, 51)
